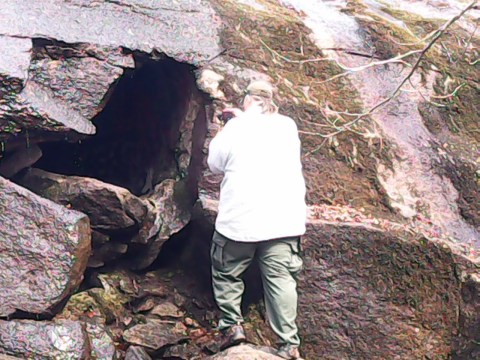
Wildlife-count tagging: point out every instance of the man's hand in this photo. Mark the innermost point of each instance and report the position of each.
(230, 113)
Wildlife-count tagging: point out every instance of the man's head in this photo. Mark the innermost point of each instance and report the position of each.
(260, 94)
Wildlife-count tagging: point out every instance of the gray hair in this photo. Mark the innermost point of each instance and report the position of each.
(267, 105)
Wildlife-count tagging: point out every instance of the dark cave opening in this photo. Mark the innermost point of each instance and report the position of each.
(137, 131)
(137, 146)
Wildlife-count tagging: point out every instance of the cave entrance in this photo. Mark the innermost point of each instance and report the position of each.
(137, 131)
(137, 146)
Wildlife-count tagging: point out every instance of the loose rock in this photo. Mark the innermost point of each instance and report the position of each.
(154, 335)
(137, 353)
(102, 344)
(164, 219)
(167, 309)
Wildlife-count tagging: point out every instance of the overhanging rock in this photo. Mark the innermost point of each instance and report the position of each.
(44, 249)
(109, 207)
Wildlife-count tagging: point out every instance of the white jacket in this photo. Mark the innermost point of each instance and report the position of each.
(262, 194)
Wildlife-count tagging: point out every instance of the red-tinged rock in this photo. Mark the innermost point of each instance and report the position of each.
(44, 250)
(44, 339)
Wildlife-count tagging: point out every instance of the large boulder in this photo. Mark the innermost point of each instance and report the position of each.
(109, 207)
(377, 291)
(44, 340)
(44, 249)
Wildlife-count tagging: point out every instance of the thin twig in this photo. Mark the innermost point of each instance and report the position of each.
(317, 148)
(469, 41)
(417, 42)
(350, 52)
(293, 61)
(348, 71)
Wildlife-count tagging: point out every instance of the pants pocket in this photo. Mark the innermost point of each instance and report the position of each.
(296, 261)
(217, 250)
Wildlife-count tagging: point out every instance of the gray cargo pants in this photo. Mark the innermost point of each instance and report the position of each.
(279, 262)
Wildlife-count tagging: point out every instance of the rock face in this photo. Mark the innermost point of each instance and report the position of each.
(44, 340)
(392, 250)
(43, 250)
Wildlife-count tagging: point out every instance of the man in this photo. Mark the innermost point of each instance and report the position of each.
(262, 214)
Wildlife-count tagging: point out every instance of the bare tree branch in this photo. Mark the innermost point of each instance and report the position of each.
(437, 34)
(348, 71)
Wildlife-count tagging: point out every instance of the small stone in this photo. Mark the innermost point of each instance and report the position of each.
(191, 322)
(196, 333)
(246, 352)
(137, 353)
(181, 351)
(154, 334)
(102, 344)
(178, 299)
(167, 309)
(145, 305)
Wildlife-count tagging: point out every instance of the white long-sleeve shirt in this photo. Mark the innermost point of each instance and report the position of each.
(262, 195)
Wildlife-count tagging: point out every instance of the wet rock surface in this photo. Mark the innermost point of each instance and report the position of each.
(44, 340)
(43, 250)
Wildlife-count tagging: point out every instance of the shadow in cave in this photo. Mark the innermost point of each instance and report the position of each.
(137, 131)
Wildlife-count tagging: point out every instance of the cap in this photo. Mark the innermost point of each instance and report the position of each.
(260, 88)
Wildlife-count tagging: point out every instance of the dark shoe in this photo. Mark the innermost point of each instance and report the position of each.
(233, 335)
(289, 352)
